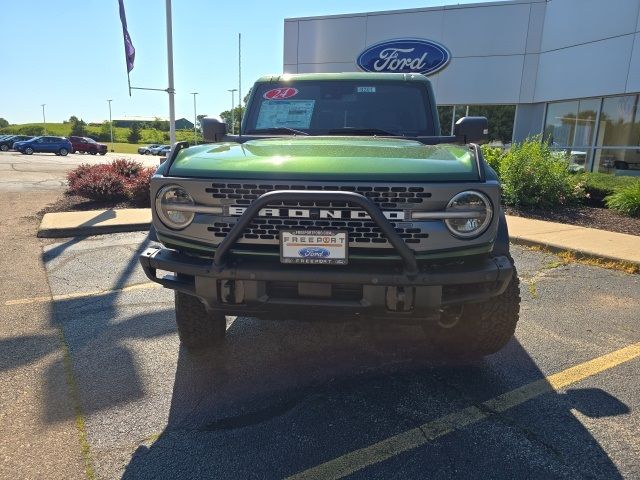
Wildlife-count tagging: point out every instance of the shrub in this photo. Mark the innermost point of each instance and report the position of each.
(534, 176)
(601, 185)
(118, 180)
(96, 182)
(126, 168)
(138, 187)
(493, 156)
(626, 200)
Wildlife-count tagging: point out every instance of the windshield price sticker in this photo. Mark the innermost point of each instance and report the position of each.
(280, 93)
(366, 90)
(313, 247)
(285, 113)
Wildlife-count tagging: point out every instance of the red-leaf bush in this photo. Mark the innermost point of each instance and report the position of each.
(115, 181)
(126, 168)
(138, 187)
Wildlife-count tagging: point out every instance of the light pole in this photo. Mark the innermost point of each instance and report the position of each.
(195, 118)
(233, 113)
(110, 124)
(44, 120)
(170, 90)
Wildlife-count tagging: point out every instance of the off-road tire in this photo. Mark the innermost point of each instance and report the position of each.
(483, 328)
(197, 328)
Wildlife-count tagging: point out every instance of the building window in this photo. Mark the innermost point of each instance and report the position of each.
(620, 131)
(500, 118)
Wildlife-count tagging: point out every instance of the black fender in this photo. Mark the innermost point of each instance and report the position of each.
(501, 244)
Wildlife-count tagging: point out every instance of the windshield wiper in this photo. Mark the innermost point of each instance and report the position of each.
(258, 131)
(362, 131)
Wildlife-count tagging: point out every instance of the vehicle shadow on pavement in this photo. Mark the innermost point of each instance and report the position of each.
(96, 334)
(282, 397)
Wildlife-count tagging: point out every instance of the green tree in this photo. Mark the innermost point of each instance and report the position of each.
(3, 123)
(134, 133)
(159, 124)
(78, 127)
(237, 118)
(105, 132)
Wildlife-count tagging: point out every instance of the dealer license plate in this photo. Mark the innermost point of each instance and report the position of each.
(314, 246)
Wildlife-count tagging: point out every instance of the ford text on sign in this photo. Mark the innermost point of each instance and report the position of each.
(404, 55)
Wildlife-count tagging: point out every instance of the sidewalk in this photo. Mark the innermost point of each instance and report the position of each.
(556, 236)
(587, 241)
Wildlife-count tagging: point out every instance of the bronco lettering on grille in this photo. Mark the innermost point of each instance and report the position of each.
(316, 213)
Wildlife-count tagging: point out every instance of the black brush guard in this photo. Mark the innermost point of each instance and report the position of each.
(199, 276)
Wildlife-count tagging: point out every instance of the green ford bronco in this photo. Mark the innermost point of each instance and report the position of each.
(338, 197)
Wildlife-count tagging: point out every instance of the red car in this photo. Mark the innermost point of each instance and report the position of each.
(87, 145)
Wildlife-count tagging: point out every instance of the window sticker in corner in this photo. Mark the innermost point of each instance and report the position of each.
(285, 113)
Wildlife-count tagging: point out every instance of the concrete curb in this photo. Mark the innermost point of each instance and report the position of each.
(556, 248)
(94, 222)
(587, 242)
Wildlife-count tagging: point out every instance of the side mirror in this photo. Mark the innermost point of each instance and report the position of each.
(213, 129)
(471, 130)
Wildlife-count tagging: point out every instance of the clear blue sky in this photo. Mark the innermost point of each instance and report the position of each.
(69, 54)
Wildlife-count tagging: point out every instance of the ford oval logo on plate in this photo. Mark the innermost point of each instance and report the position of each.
(404, 55)
(314, 252)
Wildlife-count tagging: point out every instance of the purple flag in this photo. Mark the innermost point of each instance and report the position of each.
(129, 51)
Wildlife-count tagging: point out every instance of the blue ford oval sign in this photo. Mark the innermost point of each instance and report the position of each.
(404, 55)
(314, 252)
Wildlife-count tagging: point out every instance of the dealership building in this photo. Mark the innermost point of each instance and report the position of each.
(570, 68)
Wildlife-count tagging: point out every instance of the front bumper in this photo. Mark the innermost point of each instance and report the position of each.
(263, 287)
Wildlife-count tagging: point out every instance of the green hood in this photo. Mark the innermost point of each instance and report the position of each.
(328, 158)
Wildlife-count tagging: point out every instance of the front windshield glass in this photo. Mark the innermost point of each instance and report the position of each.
(340, 108)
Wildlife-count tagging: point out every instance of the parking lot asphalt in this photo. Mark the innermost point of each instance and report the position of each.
(329, 399)
(47, 172)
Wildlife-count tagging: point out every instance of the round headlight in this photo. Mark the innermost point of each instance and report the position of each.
(479, 210)
(169, 201)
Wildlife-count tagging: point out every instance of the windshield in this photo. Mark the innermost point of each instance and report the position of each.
(344, 107)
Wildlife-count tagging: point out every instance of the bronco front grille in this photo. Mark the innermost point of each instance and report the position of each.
(385, 196)
(362, 232)
(359, 231)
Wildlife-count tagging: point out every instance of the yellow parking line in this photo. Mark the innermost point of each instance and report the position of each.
(416, 437)
(69, 296)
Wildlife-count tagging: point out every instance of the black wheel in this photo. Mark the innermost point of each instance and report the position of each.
(479, 329)
(28, 150)
(63, 151)
(92, 152)
(103, 153)
(4, 148)
(197, 327)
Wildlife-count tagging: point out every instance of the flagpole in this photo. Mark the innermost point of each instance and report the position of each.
(170, 89)
(240, 79)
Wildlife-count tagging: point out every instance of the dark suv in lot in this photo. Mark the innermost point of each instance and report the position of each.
(7, 142)
(58, 145)
(87, 145)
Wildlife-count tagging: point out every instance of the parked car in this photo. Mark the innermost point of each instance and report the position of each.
(58, 145)
(7, 142)
(87, 145)
(147, 150)
(156, 150)
(164, 151)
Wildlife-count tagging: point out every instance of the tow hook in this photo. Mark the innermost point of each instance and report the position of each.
(400, 299)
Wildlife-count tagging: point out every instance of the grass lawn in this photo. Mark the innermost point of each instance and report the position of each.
(124, 147)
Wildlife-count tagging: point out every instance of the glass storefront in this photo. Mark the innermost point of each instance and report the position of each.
(500, 119)
(597, 134)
